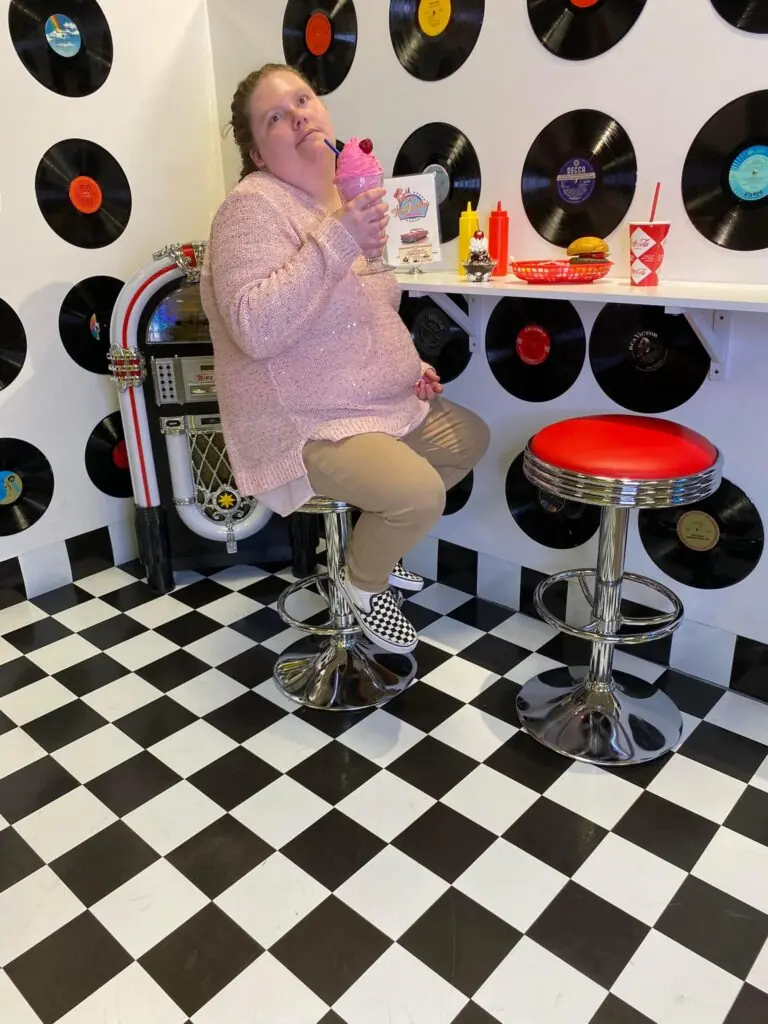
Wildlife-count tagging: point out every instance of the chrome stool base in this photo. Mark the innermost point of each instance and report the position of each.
(629, 722)
(329, 675)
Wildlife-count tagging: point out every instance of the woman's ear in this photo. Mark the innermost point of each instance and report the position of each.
(257, 160)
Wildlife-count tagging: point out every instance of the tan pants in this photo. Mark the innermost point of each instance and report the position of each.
(399, 484)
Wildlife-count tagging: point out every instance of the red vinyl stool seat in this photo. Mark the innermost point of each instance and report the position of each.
(618, 462)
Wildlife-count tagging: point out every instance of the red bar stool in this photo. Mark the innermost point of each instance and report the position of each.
(619, 463)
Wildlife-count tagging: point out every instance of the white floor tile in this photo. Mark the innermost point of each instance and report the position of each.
(17, 750)
(594, 794)
(270, 691)
(440, 598)
(18, 616)
(399, 989)
(474, 732)
(450, 634)
(641, 668)
(533, 986)
(237, 577)
(280, 811)
(16, 1010)
(231, 608)
(386, 805)
(220, 646)
(271, 899)
(35, 700)
(490, 798)
(392, 891)
(511, 884)
(82, 616)
(525, 631)
(141, 650)
(530, 667)
(192, 748)
(207, 692)
(64, 823)
(96, 753)
(282, 640)
(63, 654)
(460, 679)
(742, 715)
(670, 983)
(304, 604)
(287, 743)
(130, 998)
(157, 613)
(8, 652)
(630, 878)
(700, 789)
(106, 581)
(758, 976)
(381, 738)
(38, 906)
(264, 993)
(174, 816)
(122, 696)
(149, 907)
(737, 865)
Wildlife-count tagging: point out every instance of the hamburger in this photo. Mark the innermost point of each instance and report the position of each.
(588, 250)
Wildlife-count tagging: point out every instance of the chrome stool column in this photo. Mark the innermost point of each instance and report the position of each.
(591, 713)
(335, 667)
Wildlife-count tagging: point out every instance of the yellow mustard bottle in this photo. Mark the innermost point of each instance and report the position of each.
(468, 225)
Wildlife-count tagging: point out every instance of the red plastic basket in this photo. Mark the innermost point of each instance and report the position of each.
(559, 271)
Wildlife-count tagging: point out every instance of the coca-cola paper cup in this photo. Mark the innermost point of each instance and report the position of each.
(646, 251)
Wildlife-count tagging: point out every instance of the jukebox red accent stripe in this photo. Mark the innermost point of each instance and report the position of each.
(131, 395)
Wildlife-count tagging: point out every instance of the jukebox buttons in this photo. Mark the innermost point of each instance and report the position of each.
(164, 375)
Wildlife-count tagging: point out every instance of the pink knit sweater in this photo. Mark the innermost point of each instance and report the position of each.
(304, 348)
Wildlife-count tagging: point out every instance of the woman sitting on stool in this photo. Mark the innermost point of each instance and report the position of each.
(320, 386)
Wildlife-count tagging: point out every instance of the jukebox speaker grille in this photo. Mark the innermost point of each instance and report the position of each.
(215, 490)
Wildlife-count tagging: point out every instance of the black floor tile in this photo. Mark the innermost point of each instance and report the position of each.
(251, 667)
(335, 724)
(64, 725)
(556, 836)
(174, 669)
(592, 935)
(62, 599)
(713, 924)
(616, 1011)
(433, 767)
(104, 862)
(6, 725)
(444, 841)
(499, 700)
(155, 721)
(261, 625)
(419, 615)
(334, 772)
(186, 629)
(749, 672)
(132, 596)
(245, 716)
(265, 591)
(68, 966)
(17, 859)
(428, 657)
(200, 958)
(494, 654)
(750, 815)
(312, 950)
(234, 778)
(132, 783)
(460, 940)
(333, 849)
(112, 632)
(528, 763)
(473, 1014)
(671, 832)
(569, 650)
(17, 674)
(424, 706)
(33, 787)
(693, 696)
(201, 592)
(91, 674)
(481, 614)
(219, 856)
(751, 1007)
(725, 751)
(331, 1018)
(36, 635)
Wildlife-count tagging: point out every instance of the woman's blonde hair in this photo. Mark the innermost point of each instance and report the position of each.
(241, 103)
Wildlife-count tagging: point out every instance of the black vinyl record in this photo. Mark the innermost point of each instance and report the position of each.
(446, 152)
(84, 321)
(712, 544)
(83, 193)
(535, 347)
(748, 15)
(438, 339)
(106, 458)
(545, 518)
(26, 485)
(432, 38)
(13, 345)
(580, 29)
(458, 495)
(320, 39)
(645, 359)
(70, 53)
(725, 175)
(579, 177)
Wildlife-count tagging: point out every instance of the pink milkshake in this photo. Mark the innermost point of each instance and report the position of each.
(358, 170)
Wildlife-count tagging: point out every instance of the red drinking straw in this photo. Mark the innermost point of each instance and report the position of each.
(655, 201)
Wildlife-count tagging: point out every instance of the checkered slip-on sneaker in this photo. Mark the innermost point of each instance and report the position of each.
(384, 625)
(405, 580)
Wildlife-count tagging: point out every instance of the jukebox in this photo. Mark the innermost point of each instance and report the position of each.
(189, 512)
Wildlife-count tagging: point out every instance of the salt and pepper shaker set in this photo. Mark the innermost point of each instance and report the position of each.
(498, 238)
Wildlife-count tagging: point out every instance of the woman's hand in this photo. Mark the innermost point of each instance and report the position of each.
(428, 385)
(365, 218)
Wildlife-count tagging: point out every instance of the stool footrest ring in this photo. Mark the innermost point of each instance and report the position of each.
(663, 624)
(321, 580)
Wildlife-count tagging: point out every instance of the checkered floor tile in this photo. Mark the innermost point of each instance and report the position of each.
(179, 844)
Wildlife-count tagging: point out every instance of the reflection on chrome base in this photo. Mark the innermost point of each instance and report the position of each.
(628, 722)
(329, 675)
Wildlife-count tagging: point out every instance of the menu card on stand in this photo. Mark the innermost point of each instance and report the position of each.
(414, 226)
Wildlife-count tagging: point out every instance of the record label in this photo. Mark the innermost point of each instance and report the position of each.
(432, 39)
(438, 339)
(84, 321)
(11, 486)
(434, 16)
(648, 351)
(63, 35)
(748, 176)
(319, 34)
(106, 458)
(533, 345)
(576, 181)
(320, 39)
(698, 531)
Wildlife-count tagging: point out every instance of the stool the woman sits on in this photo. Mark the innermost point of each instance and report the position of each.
(320, 386)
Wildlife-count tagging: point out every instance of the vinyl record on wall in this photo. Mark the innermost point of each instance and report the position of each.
(458, 495)
(579, 177)
(320, 39)
(580, 29)
(26, 485)
(433, 38)
(106, 458)
(446, 152)
(13, 345)
(535, 347)
(438, 339)
(645, 359)
(709, 545)
(68, 53)
(725, 175)
(83, 193)
(748, 15)
(545, 518)
(84, 321)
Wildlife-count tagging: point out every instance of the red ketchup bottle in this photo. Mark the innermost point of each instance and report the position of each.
(498, 241)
